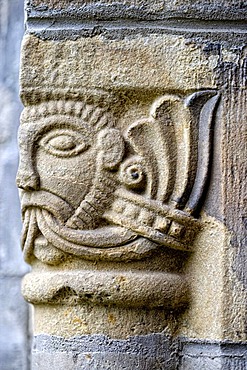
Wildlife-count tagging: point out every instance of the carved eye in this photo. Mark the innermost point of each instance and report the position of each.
(63, 143)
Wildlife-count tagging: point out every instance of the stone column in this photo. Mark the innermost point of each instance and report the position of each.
(131, 179)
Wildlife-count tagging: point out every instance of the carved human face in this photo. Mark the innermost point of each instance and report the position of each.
(56, 171)
(57, 155)
(66, 181)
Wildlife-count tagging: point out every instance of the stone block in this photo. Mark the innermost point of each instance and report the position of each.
(213, 355)
(139, 67)
(140, 9)
(151, 352)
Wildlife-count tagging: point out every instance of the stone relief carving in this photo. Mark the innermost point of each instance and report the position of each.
(90, 190)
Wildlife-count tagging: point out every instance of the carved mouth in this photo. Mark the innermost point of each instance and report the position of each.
(116, 243)
(42, 199)
(153, 220)
(46, 214)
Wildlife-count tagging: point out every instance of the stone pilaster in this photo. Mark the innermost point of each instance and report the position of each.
(128, 174)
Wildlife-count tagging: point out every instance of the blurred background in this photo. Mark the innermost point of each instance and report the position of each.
(14, 312)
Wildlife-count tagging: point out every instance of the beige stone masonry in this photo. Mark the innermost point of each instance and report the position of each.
(127, 196)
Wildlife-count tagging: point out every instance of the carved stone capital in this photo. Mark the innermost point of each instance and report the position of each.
(120, 198)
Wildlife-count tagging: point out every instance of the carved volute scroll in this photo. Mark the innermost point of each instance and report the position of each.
(92, 191)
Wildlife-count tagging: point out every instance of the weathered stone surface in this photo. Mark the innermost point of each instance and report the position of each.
(137, 155)
(135, 68)
(212, 355)
(100, 352)
(124, 82)
(108, 288)
(126, 139)
(117, 322)
(235, 195)
(142, 9)
(144, 352)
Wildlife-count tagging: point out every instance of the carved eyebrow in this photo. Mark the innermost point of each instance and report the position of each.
(36, 129)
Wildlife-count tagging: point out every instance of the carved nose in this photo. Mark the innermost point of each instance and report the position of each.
(27, 181)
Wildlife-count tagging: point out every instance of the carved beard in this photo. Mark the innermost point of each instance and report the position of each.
(46, 214)
(30, 232)
(32, 203)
